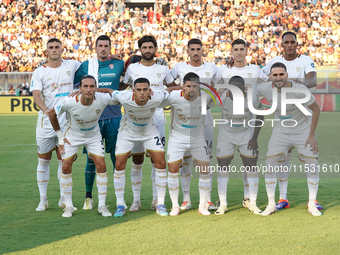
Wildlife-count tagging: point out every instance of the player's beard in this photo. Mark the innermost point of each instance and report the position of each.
(148, 57)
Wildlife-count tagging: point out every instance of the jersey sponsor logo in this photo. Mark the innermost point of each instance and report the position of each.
(49, 79)
(179, 110)
(58, 108)
(32, 84)
(62, 94)
(68, 73)
(312, 65)
(54, 85)
(138, 119)
(87, 129)
(76, 115)
(131, 111)
(140, 125)
(108, 75)
(189, 126)
(105, 83)
(111, 66)
(298, 69)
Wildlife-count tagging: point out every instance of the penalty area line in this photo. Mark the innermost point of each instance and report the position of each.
(13, 145)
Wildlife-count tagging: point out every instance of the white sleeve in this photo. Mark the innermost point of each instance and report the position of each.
(127, 77)
(218, 76)
(174, 72)
(62, 106)
(311, 99)
(309, 65)
(105, 97)
(36, 81)
(168, 77)
(266, 69)
(262, 76)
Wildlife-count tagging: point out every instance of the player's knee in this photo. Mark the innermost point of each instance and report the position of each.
(44, 161)
(120, 165)
(67, 168)
(138, 159)
(101, 166)
(160, 164)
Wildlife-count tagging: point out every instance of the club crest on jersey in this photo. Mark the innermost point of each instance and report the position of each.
(182, 117)
(49, 79)
(249, 75)
(80, 122)
(98, 111)
(131, 111)
(152, 110)
(229, 75)
(158, 75)
(298, 69)
(54, 86)
(207, 74)
(111, 66)
(68, 73)
(179, 110)
(76, 115)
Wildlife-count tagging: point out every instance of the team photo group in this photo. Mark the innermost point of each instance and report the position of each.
(118, 110)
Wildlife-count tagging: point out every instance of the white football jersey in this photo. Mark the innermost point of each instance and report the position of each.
(187, 121)
(251, 74)
(236, 123)
(292, 111)
(82, 120)
(296, 69)
(206, 72)
(138, 119)
(54, 84)
(158, 76)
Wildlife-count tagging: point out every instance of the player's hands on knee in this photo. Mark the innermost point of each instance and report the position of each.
(252, 145)
(74, 93)
(313, 143)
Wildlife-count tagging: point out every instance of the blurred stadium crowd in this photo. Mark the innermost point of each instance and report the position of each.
(27, 25)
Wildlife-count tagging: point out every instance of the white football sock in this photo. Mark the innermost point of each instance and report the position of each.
(66, 186)
(153, 178)
(161, 176)
(245, 185)
(119, 182)
(60, 168)
(204, 188)
(43, 176)
(270, 179)
(253, 180)
(222, 184)
(102, 182)
(173, 185)
(312, 178)
(185, 173)
(136, 180)
(283, 177)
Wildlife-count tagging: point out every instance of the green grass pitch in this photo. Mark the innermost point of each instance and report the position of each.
(292, 231)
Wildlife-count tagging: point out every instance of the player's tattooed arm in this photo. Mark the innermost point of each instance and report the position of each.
(123, 86)
(253, 141)
(39, 102)
(315, 118)
(311, 80)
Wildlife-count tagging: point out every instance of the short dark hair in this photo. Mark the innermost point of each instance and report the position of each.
(239, 41)
(87, 76)
(289, 33)
(141, 80)
(191, 77)
(236, 80)
(53, 40)
(278, 64)
(147, 38)
(195, 41)
(103, 38)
